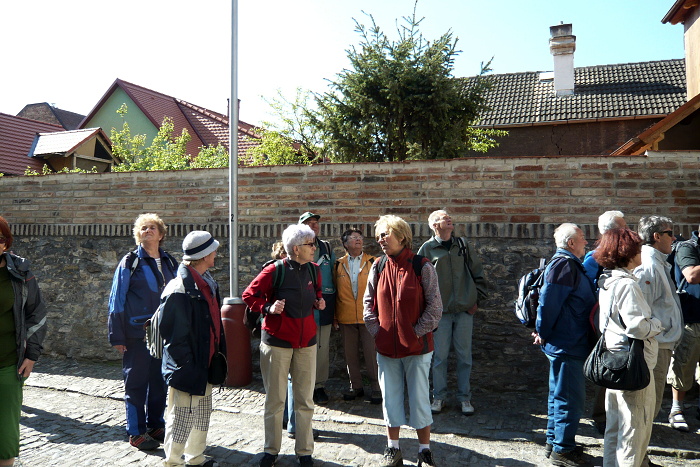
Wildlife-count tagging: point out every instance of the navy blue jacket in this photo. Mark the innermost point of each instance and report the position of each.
(136, 295)
(185, 327)
(566, 300)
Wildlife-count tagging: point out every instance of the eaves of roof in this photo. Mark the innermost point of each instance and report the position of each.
(680, 11)
(646, 139)
(64, 142)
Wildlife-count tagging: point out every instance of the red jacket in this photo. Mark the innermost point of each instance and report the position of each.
(400, 302)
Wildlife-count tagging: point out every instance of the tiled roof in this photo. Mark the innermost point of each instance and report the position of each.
(206, 127)
(16, 138)
(630, 90)
(45, 112)
(63, 142)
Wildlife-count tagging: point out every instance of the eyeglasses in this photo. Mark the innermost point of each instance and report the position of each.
(3, 240)
(354, 237)
(312, 244)
(669, 232)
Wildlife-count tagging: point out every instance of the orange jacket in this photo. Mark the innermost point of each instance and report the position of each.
(348, 309)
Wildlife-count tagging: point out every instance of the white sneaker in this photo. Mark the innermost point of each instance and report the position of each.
(437, 405)
(467, 408)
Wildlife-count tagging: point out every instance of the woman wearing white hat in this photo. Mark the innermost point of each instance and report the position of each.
(192, 331)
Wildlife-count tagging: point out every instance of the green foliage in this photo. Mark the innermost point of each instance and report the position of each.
(210, 157)
(46, 170)
(398, 100)
(292, 139)
(166, 152)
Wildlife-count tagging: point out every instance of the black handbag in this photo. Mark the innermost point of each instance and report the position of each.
(218, 369)
(622, 369)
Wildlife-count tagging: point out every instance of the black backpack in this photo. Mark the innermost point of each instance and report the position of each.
(252, 319)
(418, 262)
(528, 299)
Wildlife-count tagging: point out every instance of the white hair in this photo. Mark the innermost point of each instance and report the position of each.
(609, 220)
(434, 216)
(295, 235)
(564, 233)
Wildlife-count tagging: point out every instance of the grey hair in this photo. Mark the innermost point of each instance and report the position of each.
(564, 233)
(649, 225)
(295, 235)
(608, 220)
(433, 217)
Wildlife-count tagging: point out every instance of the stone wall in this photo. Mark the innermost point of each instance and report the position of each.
(75, 228)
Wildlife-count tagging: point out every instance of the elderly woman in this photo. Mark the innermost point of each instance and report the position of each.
(288, 341)
(566, 300)
(138, 282)
(402, 307)
(625, 314)
(22, 330)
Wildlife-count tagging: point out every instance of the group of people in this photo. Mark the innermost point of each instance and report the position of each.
(403, 310)
(628, 286)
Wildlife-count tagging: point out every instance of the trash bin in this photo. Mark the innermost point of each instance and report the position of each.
(238, 354)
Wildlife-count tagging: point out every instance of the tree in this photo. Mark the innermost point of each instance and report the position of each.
(292, 139)
(399, 100)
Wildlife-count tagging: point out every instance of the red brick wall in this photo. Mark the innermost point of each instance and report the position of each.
(477, 191)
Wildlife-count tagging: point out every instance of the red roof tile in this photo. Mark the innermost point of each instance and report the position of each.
(16, 138)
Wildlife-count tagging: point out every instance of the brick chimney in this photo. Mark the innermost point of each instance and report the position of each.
(562, 45)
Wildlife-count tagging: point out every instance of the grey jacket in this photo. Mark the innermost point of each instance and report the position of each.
(29, 309)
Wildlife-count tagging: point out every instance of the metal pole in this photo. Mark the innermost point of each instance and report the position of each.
(233, 158)
(238, 351)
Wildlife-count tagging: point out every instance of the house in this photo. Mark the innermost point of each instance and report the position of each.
(45, 112)
(687, 13)
(148, 108)
(17, 135)
(77, 149)
(580, 111)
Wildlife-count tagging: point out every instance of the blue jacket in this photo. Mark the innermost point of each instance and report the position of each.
(186, 327)
(135, 294)
(566, 300)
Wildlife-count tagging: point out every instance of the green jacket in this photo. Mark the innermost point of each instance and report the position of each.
(460, 287)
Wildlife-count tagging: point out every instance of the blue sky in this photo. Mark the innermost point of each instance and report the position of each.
(68, 53)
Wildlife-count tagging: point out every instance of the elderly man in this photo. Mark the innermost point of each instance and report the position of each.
(660, 293)
(325, 258)
(462, 286)
(566, 299)
(350, 278)
(687, 353)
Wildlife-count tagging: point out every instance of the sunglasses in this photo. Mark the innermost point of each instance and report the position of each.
(3, 240)
(312, 244)
(669, 232)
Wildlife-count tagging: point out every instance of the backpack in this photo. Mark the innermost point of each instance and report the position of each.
(154, 342)
(252, 319)
(528, 299)
(418, 262)
(133, 260)
(671, 259)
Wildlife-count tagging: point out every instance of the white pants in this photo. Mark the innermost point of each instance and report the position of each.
(630, 415)
(186, 426)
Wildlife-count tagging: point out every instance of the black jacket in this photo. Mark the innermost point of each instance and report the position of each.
(185, 327)
(29, 309)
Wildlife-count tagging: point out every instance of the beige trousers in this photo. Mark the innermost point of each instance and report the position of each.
(628, 429)
(663, 361)
(186, 426)
(275, 364)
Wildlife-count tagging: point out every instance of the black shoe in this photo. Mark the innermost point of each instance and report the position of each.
(320, 396)
(158, 434)
(143, 442)
(268, 460)
(376, 397)
(573, 458)
(392, 457)
(306, 461)
(425, 457)
(353, 394)
(208, 463)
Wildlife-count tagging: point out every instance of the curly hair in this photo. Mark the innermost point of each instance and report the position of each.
(617, 247)
(397, 226)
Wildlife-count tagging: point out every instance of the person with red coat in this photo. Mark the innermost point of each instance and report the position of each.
(401, 310)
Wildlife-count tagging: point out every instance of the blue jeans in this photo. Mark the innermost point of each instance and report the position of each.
(454, 329)
(567, 396)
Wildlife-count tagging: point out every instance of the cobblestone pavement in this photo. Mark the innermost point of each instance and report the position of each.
(73, 414)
